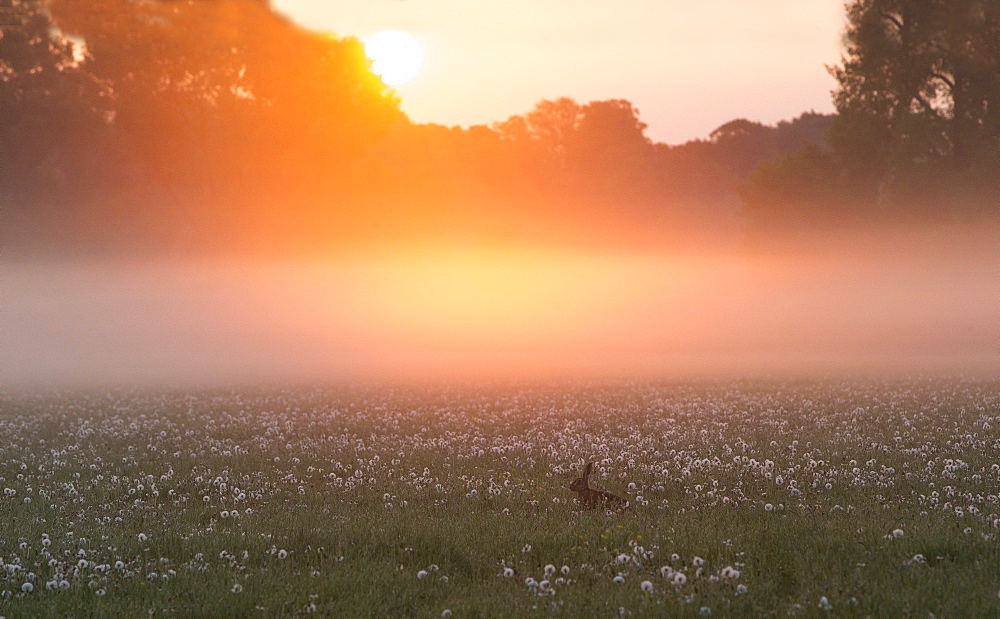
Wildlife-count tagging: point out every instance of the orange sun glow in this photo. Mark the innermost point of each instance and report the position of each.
(396, 56)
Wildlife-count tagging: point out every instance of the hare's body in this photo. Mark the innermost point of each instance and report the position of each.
(592, 498)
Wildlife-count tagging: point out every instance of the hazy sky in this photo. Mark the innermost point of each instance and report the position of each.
(689, 66)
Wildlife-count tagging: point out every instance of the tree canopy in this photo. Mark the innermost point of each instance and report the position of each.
(218, 125)
(918, 128)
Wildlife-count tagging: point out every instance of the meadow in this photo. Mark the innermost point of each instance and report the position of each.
(848, 498)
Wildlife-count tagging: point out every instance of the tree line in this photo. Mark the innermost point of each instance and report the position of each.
(164, 126)
(917, 134)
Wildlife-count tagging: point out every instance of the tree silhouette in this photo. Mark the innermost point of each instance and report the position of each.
(47, 101)
(219, 124)
(217, 111)
(608, 135)
(919, 98)
(52, 115)
(917, 135)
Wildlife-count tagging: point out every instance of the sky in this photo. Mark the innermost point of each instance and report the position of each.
(687, 66)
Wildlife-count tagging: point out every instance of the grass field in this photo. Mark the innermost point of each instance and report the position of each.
(747, 499)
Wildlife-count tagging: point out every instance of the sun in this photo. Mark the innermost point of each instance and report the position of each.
(396, 56)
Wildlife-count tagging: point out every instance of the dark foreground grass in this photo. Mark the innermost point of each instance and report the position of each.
(352, 505)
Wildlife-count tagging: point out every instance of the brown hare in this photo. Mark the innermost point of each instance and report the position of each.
(591, 498)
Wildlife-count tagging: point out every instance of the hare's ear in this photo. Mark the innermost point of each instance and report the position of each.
(587, 471)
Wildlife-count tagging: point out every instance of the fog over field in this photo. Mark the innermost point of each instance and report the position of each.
(913, 305)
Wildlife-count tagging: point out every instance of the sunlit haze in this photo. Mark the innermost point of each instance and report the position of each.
(434, 314)
(291, 190)
(688, 66)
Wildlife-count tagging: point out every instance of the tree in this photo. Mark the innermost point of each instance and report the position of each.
(545, 132)
(230, 77)
(48, 103)
(608, 135)
(919, 99)
(917, 135)
(233, 122)
(53, 113)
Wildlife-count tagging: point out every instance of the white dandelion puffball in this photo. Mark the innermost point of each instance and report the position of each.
(27, 587)
(507, 572)
(237, 588)
(143, 537)
(679, 578)
(282, 554)
(646, 586)
(897, 533)
(422, 574)
(619, 579)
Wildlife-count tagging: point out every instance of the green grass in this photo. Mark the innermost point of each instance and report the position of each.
(101, 470)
